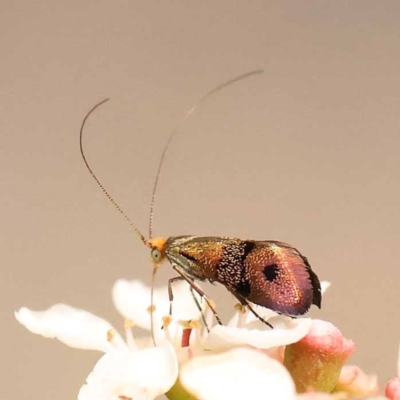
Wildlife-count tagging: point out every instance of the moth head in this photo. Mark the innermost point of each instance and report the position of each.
(157, 246)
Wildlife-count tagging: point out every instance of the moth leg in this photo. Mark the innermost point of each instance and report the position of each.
(259, 316)
(199, 292)
(247, 304)
(196, 301)
(170, 292)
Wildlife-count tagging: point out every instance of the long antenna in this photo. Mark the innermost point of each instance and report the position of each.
(188, 113)
(109, 197)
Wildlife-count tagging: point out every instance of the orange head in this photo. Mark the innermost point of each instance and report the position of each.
(157, 246)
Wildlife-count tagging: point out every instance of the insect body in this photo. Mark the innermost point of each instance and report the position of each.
(269, 273)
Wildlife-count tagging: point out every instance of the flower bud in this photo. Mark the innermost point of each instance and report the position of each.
(316, 360)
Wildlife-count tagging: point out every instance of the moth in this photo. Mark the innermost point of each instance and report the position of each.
(267, 273)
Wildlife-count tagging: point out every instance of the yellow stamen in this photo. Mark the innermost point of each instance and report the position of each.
(240, 308)
(151, 309)
(128, 324)
(166, 321)
(110, 335)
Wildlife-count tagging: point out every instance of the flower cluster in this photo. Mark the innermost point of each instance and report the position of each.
(188, 357)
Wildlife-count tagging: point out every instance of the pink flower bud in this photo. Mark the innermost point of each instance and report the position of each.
(392, 390)
(316, 360)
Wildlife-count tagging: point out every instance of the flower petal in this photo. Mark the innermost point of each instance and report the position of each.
(132, 300)
(325, 286)
(323, 396)
(356, 383)
(249, 318)
(286, 331)
(140, 375)
(236, 374)
(72, 326)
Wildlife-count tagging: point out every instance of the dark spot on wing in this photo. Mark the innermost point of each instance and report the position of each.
(271, 272)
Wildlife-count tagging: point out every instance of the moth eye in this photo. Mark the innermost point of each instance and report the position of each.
(156, 255)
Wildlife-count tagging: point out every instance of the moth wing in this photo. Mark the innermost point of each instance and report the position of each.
(281, 278)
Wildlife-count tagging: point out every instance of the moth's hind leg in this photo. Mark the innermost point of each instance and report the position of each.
(244, 302)
(199, 292)
(198, 305)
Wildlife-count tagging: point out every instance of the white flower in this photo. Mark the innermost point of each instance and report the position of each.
(237, 374)
(124, 371)
(139, 375)
(131, 370)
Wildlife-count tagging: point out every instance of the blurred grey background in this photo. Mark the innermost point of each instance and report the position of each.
(307, 153)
